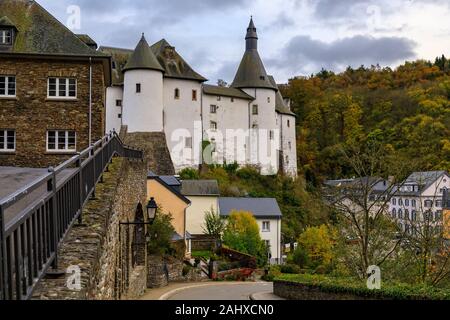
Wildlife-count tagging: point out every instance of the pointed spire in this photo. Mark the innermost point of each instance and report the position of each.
(143, 58)
(251, 37)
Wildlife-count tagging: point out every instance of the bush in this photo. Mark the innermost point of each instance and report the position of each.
(321, 270)
(161, 232)
(189, 174)
(290, 269)
(186, 270)
(301, 258)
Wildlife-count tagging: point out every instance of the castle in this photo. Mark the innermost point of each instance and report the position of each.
(154, 90)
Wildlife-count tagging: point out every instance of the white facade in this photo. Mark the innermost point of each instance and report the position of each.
(288, 141)
(272, 237)
(143, 111)
(114, 101)
(195, 214)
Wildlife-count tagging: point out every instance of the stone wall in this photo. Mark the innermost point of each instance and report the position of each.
(298, 291)
(31, 114)
(103, 254)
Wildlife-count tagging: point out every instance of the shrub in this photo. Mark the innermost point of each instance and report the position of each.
(186, 270)
(189, 174)
(300, 257)
(321, 270)
(161, 232)
(290, 269)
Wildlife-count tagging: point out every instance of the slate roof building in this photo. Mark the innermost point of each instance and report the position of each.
(268, 215)
(155, 90)
(45, 87)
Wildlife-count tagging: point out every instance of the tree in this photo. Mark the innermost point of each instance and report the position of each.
(242, 234)
(214, 224)
(318, 243)
(160, 233)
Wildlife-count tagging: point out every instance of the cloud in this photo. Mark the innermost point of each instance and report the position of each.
(304, 54)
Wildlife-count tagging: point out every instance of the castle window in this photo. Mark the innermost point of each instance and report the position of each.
(255, 110)
(118, 103)
(138, 88)
(213, 125)
(119, 116)
(188, 142)
(289, 123)
(213, 108)
(7, 140)
(176, 94)
(290, 145)
(194, 95)
(268, 99)
(65, 88)
(7, 86)
(61, 141)
(271, 135)
(232, 99)
(6, 36)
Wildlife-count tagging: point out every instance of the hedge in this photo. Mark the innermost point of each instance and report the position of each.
(358, 287)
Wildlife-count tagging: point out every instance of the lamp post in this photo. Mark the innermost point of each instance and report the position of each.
(152, 208)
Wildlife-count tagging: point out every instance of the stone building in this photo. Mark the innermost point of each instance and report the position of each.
(49, 79)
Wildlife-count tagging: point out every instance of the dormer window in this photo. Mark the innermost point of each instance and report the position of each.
(6, 36)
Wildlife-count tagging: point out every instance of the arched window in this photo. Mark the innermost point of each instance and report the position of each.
(400, 213)
(394, 213)
(406, 214)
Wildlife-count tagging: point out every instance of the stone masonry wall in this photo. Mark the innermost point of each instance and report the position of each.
(31, 114)
(96, 247)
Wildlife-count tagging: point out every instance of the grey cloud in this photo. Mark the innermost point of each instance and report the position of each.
(304, 54)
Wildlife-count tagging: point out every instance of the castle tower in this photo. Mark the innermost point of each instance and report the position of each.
(143, 91)
(252, 78)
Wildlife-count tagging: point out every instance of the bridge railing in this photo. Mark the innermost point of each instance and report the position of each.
(30, 239)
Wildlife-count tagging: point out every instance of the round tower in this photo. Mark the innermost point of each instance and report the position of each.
(143, 91)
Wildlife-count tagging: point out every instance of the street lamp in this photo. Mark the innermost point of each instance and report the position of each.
(152, 207)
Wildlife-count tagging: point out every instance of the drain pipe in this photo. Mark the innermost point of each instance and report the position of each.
(90, 101)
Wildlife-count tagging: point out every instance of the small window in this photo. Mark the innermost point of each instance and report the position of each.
(290, 145)
(219, 98)
(213, 125)
(7, 86)
(65, 88)
(406, 214)
(413, 203)
(7, 140)
(289, 123)
(400, 202)
(266, 226)
(213, 108)
(118, 103)
(400, 214)
(176, 94)
(194, 95)
(119, 116)
(394, 213)
(138, 88)
(232, 99)
(255, 110)
(428, 203)
(114, 65)
(394, 201)
(61, 140)
(5, 37)
(438, 204)
(271, 135)
(414, 215)
(262, 78)
(188, 142)
(407, 202)
(268, 100)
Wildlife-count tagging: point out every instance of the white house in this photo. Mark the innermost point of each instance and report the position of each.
(420, 195)
(155, 90)
(204, 197)
(268, 215)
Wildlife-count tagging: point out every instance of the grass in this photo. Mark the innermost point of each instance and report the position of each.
(201, 254)
(395, 291)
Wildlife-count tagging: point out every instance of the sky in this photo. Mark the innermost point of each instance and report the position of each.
(296, 37)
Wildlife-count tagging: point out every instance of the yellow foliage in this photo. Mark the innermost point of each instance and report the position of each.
(318, 243)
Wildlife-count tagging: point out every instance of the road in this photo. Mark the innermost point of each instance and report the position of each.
(221, 291)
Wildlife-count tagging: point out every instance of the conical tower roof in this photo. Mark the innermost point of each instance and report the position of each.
(143, 58)
(251, 72)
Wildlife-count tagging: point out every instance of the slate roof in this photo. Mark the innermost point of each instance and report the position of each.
(39, 32)
(260, 207)
(173, 64)
(226, 92)
(171, 183)
(425, 178)
(87, 40)
(120, 57)
(280, 106)
(200, 188)
(143, 58)
(5, 22)
(251, 72)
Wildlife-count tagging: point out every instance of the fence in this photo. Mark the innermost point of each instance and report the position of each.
(29, 242)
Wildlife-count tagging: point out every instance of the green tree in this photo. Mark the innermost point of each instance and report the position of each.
(160, 233)
(214, 224)
(242, 234)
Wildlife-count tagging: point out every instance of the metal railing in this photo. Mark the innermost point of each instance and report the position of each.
(30, 239)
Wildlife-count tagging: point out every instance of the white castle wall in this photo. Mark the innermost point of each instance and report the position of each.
(287, 127)
(230, 116)
(180, 117)
(264, 120)
(143, 112)
(113, 122)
